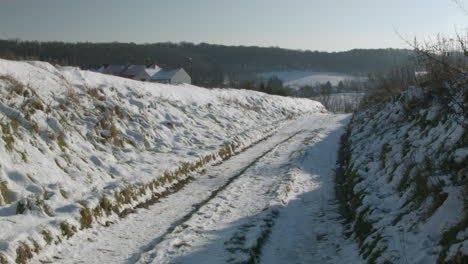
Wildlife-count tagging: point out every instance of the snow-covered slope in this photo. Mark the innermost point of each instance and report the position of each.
(79, 148)
(298, 79)
(406, 176)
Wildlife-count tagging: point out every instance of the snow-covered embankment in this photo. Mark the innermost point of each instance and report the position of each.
(406, 180)
(79, 148)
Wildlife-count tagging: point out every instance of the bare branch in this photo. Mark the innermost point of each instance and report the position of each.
(461, 6)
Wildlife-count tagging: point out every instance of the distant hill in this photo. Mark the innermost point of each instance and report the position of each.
(298, 79)
(210, 63)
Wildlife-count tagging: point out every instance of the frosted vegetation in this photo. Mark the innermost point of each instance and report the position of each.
(405, 167)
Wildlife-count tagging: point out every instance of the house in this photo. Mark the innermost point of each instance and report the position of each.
(140, 72)
(176, 76)
(147, 73)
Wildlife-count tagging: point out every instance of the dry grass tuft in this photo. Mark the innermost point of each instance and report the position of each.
(3, 259)
(86, 220)
(23, 253)
(4, 193)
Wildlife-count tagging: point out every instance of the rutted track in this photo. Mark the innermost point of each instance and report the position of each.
(197, 207)
(215, 194)
(185, 224)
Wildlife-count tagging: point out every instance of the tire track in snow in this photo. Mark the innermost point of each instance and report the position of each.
(197, 207)
(243, 252)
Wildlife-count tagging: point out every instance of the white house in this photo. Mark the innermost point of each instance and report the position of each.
(148, 73)
(176, 76)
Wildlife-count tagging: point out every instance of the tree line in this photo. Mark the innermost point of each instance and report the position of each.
(208, 64)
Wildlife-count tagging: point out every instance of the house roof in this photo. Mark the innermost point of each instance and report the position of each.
(155, 72)
(128, 70)
(165, 74)
(151, 71)
(112, 69)
(133, 70)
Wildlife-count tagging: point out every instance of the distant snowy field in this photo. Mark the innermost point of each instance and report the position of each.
(297, 79)
(69, 136)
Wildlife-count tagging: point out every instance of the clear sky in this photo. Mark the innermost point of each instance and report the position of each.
(329, 25)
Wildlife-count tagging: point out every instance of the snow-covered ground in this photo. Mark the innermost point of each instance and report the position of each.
(78, 149)
(101, 169)
(407, 174)
(272, 203)
(297, 79)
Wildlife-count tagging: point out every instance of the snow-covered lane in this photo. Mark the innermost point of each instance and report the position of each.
(214, 220)
(234, 226)
(308, 228)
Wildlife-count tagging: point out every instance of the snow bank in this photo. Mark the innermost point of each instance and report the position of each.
(78, 148)
(407, 181)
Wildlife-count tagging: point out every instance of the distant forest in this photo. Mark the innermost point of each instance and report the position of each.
(209, 63)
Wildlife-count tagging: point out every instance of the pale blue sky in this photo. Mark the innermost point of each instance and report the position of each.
(331, 25)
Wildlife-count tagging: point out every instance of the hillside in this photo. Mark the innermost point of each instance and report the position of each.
(80, 149)
(298, 79)
(210, 63)
(405, 167)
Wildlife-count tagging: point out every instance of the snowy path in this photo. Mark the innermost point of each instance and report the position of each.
(272, 203)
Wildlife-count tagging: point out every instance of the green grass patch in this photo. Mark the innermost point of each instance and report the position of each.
(449, 237)
(362, 227)
(9, 142)
(67, 229)
(405, 180)
(22, 206)
(61, 141)
(47, 236)
(383, 153)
